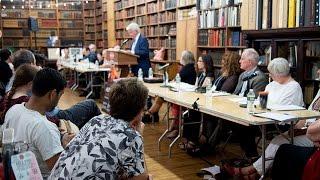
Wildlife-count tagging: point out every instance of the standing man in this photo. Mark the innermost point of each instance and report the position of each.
(140, 47)
(92, 56)
(251, 78)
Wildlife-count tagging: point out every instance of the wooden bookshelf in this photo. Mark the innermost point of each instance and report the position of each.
(219, 29)
(105, 23)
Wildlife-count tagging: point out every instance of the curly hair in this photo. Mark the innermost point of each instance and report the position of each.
(24, 74)
(230, 64)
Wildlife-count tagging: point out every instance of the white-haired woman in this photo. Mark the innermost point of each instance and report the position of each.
(283, 90)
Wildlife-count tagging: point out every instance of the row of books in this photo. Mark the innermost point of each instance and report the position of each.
(119, 24)
(167, 17)
(71, 42)
(141, 20)
(89, 21)
(89, 36)
(11, 13)
(233, 16)
(126, 3)
(46, 33)
(129, 12)
(264, 14)
(313, 48)
(171, 54)
(152, 19)
(89, 29)
(235, 38)
(20, 23)
(71, 33)
(216, 56)
(141, 10)
(212, 18)
(168, 29)
(140, 1)
(186, 2)
(71, 24)
(16, 42)
(152, 7)
(215, 4)
(168, 43)
(69, 6)
(99, 19)
(98, 11)
(89, 5)
(187, 13)
(167, 4)
(212, 37)
(15, 32)
(98, 27)
(48, 23)
(71, 15)
(89, 13)
(43, 14)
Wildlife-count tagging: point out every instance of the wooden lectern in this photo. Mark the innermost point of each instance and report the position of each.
(121, 57)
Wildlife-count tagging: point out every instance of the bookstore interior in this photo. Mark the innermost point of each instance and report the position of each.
(195, 62)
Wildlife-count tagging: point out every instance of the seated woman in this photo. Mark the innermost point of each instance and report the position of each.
(227, 82)
(205, 71)
(110, 147)
(78, 114)
(64, 58)
(283, 90)
(187, 74)
(204, 78)
(230, 70)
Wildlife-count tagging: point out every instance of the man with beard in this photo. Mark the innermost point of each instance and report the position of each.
(31, 125)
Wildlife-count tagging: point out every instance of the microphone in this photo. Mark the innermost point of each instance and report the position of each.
(195, 105)
(164, 66)
(251, 76)
(124, 42)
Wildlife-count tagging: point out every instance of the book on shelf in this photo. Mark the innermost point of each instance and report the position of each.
(312, 48)
(186, 2)
(292, 58)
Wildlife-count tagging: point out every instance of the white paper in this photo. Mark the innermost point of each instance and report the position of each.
(184, 87)
(276, 116)
(213, 170)
(219, 93)
(285, 107)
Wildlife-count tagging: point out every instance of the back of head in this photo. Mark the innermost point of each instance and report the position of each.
(4, 54)
(252, 55)
(46, 80)
(127, 98)
(92, 48)
(22, 56)
(279, 67)
(230, 64)
(187, 57)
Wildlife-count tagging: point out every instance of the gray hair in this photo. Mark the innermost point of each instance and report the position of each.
(251, 54)
(187, 57)
(279, 67)
(133, 27)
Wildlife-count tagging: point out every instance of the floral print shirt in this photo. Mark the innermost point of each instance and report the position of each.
(105, 148)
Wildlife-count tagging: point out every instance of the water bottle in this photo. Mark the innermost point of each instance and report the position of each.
(208, 87)
(97, 63)
(178, 81)
(140, 74)
(150, 73)
(250, 101)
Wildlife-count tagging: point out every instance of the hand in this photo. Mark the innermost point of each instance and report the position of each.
(66, 138)
(140, 128)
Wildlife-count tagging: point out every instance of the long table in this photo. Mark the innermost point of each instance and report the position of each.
(223, 107)
(87, 68)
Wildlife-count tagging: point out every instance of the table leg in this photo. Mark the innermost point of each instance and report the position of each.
(91, 85)
(180, 128)
(167, 130)
(263, 132)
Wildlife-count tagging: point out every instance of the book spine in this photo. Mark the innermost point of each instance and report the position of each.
(292, 14)
(301, 17)
(269, 14)
(317, 13)
(259, 14)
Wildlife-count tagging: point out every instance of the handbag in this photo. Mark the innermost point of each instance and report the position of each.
(312, 168)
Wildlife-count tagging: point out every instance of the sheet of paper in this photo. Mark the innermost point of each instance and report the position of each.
(213, 170)
(25, 166)
(219, 93)
(184, 87)
(276, 116)
(285, 107)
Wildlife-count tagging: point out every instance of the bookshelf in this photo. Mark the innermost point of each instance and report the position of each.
(219, 29)
(105, 24)
(89, 22)
(99, 24)
(300, 46)
(71, 31)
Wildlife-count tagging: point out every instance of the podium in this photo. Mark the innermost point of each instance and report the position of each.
(121, 57)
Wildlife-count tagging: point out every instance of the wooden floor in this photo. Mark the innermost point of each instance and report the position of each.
(180, 165)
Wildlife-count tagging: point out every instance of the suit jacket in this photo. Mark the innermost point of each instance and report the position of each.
(257, 83)
(142, 50)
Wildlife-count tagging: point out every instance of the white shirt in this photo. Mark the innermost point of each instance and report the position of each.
(134, 43)
(42, 136)
(284, 94)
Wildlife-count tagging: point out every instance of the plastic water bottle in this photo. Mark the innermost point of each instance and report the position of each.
(178, 81)
(140, 74)
(250, 101)
(208, 87)
(150, 73)
(97, 63)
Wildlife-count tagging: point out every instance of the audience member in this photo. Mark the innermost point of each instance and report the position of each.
(110, 147)
(5, 74)
(283, 90)
(92, 56)
(5, 55)
(64, 58)
(31, 125)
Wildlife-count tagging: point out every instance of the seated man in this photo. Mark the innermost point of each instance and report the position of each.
(251, 78)
(31, 125)
(109, 147)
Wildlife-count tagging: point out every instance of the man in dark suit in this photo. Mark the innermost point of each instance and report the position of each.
(140, 47)
(251, 78)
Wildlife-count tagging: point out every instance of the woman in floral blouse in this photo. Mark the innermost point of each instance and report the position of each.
(109, 147)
